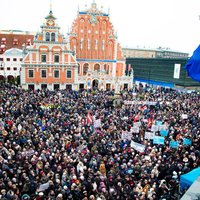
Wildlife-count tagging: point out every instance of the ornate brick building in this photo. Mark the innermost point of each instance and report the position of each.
(100, 59)
(15, 39)
(49, 63)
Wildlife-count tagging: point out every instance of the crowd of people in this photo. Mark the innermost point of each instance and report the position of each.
(50, 151)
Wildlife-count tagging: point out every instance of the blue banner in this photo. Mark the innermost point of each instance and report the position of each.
(158, 140)
(164, 133)
(187, 141)
(173, 144)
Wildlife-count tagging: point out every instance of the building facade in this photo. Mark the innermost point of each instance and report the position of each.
(101, 63)
(153, 53)
(49, 63)
(15, 39)
(10, 64)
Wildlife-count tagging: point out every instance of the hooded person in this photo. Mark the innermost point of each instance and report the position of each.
(102, 169)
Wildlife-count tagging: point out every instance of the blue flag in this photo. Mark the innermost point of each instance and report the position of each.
(193, 65)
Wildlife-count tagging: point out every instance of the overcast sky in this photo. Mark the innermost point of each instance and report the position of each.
(171, 24)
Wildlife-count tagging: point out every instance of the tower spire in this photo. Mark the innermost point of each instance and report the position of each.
(51, 6)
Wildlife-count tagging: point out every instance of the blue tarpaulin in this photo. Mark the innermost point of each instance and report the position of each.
(186, 180)
(193, 65)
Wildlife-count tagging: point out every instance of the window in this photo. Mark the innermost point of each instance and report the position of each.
(14, 59)
(53, 37)
(56, 58)
(1, 68)
(1, 59)
(8, 68)
(47, 36)
(43, 73)
(31, 87)
(85, 68)
(30, 73)
(44, 86)
(56, 74)
(56, 87)
(21, 59)
(15, 68)
(15, 41)
(78, 69)
(69, 73)
(8, 59)
(96, 67)
(28, 42)
(43, 58)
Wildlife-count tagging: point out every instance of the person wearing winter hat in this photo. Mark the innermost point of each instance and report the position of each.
(26, 197)
(59, 197)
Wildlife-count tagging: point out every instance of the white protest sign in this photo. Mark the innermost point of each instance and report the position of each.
(149, 135)
(137, 124)
(184, 116)
(97, 123)
(154, 128)
(137, 146)
(43, 187)
(135, 129)
(126, 135)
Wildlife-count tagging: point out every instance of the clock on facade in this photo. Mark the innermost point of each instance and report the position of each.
(93, 19)
(50, 23)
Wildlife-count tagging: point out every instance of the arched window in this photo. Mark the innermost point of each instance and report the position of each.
(53, 38)
(78, 68)
(85, 68)
(47, 36)
(110, 49)
(106, 68)
(96, 67)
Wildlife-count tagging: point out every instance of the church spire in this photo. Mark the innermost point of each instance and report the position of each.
(50, 15)
(50, 12)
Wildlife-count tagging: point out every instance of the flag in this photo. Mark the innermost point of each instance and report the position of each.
(136, 118)
(142, 108)
(193, 65)
(149, 122)
(89, 118)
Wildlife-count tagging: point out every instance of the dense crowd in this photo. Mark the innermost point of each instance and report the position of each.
(49, 150)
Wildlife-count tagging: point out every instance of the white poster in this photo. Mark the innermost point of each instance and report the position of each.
(154, 128)
(137, 146)
(149, 135)
(126, 135)
(135, 129)
(177, 68)
(184, 116)
(97, 123)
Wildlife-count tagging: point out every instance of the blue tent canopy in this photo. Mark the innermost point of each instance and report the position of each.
(186, 180)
